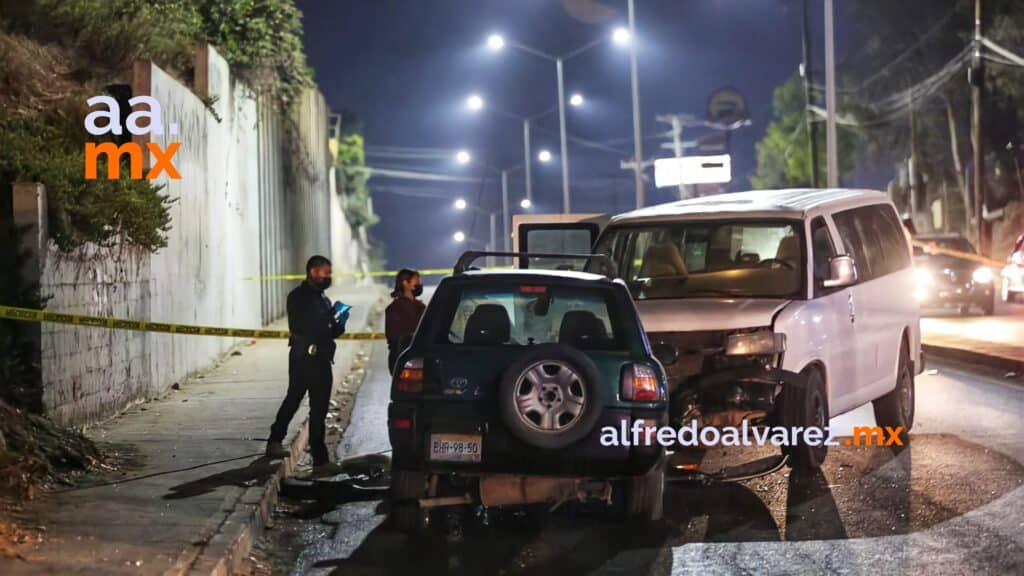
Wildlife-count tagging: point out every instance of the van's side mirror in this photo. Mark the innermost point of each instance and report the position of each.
(842, 272)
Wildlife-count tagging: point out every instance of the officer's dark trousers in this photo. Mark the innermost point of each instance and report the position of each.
(312, 374)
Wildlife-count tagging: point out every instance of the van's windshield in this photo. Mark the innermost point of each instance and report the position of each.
(709, 259)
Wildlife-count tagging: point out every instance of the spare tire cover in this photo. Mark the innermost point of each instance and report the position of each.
(550, 397)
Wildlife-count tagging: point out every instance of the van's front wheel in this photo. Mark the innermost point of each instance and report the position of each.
(805, 404)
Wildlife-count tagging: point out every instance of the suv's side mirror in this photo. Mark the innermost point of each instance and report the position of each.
(842, 272)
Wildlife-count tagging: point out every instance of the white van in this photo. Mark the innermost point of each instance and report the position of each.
(738, 290)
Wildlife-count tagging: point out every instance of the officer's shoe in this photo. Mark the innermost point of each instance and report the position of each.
(277, 450)
(326, 470)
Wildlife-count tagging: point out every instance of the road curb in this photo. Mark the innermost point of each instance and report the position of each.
(227, 550)
(974, 357)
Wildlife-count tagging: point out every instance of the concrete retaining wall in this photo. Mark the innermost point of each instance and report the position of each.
(247, 204)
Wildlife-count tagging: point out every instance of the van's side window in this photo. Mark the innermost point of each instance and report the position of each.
(821, 251)
(853, 243)
(874, 237)
(894, 241)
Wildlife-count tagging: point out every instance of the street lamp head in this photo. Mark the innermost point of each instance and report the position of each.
(576, 99)
(621, 36)
(475, 102)
(460, 203)
(544, 156)
(463, 157)
(525, 203)
(495, 42)
(459, 237)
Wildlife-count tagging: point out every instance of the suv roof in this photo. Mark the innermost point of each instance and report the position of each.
(795, 202)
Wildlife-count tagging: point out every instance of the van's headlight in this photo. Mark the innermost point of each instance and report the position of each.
(983, 275)
(759, 343)
(923, 278)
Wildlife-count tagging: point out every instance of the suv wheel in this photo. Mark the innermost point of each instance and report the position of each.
(644, 495)
(897, 407)
(549, 397)
(805, 405)
(406, 488)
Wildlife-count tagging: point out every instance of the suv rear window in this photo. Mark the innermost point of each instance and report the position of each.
(535, 313)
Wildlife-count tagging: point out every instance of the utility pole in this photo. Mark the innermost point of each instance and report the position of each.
(912, 167)
(812, 129)
(675, 121)
(504, 210)
(527, 161)
(565, 146)
(638, 145)
(977, 77)
(831, 150)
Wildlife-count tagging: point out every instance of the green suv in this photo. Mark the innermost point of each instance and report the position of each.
(519, 388)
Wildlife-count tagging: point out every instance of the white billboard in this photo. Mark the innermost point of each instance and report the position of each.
(692, 170)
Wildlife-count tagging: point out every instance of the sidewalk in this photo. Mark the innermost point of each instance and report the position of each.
(190, 521)
(993, 341)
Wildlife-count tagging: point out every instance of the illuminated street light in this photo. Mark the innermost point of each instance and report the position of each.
(544, 156)
(576, 99)
(475, 102)
(495, 42)
(621, 36)
(460, 204)
(463, 157)
(459, 237)
(525, 203)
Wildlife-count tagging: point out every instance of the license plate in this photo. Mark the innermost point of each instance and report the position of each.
(455, 447)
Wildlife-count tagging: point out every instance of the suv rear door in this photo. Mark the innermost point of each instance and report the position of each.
(556, 234)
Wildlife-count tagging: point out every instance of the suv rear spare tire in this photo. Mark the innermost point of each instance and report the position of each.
(549, 397)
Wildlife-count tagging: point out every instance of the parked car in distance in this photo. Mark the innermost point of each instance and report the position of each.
(738, 286)
(1013, 274)
(500, 397)
(945, 279)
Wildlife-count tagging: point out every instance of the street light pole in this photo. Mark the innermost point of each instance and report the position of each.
(638, 147)
(504, 209)
(831, 144)
(561, 125)
(494, 239)
(527, 159)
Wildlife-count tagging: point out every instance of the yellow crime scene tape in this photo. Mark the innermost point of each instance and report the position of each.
(33, 315)
(933, 248)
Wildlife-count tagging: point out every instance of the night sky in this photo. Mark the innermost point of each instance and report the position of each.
(406, 67)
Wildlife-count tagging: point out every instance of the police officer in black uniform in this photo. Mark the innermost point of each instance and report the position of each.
(313, 326)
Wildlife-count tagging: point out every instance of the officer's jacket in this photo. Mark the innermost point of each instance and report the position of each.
(311, 322)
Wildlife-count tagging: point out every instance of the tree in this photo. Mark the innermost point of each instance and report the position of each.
(783, 155)
(352, 176)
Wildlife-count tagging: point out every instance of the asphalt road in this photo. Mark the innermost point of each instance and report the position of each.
(952, 502)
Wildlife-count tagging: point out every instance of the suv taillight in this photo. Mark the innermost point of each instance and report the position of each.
(640, 383)
(410, 377)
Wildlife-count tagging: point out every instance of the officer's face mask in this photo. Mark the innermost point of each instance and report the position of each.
(321, 282)
(417, 290)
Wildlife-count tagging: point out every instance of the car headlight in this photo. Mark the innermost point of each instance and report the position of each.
(759, 343)
(982, 275)
(923, 277)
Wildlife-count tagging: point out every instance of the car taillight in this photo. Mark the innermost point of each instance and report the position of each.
(410, 377)
(640, 383)
(401, 424)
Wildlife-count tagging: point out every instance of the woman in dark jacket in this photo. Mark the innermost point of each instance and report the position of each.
(403, 314)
